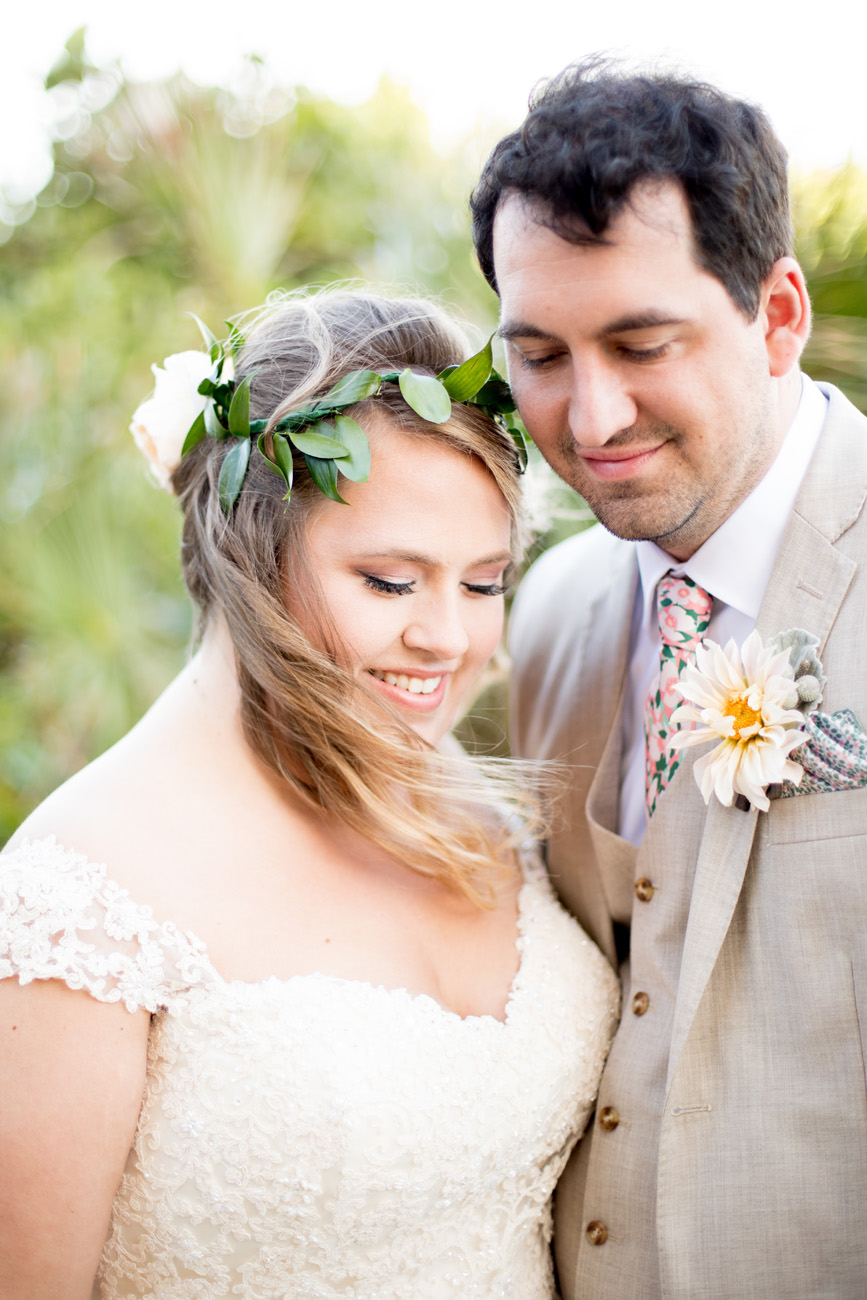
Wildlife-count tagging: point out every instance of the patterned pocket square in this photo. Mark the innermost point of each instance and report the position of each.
(833, 758)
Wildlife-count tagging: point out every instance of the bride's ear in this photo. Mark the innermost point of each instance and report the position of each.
(784, 309)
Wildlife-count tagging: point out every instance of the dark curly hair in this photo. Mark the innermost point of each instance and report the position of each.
(595, 132)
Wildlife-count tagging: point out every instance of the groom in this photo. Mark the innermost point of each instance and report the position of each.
(637, 231)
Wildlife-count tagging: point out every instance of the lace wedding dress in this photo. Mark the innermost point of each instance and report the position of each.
(319, 1137)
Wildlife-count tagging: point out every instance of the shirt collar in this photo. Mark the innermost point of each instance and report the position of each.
(736, 561)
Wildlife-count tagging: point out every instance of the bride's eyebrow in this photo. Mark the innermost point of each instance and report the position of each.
(414, 557)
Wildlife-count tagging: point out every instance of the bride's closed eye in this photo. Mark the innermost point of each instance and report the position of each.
(487, 588)
(388, 588)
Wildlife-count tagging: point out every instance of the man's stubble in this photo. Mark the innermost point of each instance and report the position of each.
(683, 510)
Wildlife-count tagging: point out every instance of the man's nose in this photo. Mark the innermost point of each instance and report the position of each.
(438, 628)
(599, 406)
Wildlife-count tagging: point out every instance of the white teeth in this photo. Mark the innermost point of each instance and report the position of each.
(414, 685)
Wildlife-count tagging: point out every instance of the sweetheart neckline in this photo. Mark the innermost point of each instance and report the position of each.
(401, 990)
(203, 954)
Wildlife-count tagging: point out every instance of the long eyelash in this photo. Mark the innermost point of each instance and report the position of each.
(387, 588)
(490, 589)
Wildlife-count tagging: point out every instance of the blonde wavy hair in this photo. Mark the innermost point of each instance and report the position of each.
(449, 817)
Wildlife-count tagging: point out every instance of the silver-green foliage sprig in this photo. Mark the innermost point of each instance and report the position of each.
(330, 441)
(810, 680)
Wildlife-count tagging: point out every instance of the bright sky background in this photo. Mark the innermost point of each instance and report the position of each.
(469, 65)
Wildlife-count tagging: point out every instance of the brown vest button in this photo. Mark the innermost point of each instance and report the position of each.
(608, 1118)
(597, 1233)
(643, 889)
(640, 1003)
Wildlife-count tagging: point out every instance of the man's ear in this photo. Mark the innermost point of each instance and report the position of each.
(785, 311)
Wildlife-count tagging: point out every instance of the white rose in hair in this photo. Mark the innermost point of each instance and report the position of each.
(161, 424)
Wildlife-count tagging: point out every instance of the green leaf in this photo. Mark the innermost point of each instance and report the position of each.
(213, 428)
(496, 395)
(222, 395)
(260, 443)
(354, 439)
(324, 475)
(239, 411)
(235, 342)
(232, 473)
(211, 343)
(426, 395)
(197, 432)
(283, 457)
(72, 65)
(313, 443)
(464, 382)
(521, 445)
(282, 461)
(352, 388)
(390, 377)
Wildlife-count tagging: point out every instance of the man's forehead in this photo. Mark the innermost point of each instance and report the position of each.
(526, 226)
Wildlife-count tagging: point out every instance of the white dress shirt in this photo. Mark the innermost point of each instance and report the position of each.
(734, 565)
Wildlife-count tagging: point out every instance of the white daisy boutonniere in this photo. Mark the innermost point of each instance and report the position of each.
(752, 702)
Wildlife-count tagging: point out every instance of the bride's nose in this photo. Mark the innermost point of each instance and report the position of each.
(438, 628)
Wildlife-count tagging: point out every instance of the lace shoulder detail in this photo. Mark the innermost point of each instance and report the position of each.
(61, 917)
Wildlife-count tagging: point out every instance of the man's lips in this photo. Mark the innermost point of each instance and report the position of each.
(618, 462)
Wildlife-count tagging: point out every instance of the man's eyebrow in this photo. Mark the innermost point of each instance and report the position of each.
(521, 330)
(622, 325)
(645, 320)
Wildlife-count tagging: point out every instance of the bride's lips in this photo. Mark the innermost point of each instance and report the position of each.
(619, 463)
(411, 688)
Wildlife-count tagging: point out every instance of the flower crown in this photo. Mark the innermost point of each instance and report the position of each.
(196, 397)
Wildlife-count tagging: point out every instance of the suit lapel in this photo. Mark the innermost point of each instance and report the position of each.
(615, 855)
(811, 577)
(719, 877)
(806, 589)
(611, 625)
(592, 743)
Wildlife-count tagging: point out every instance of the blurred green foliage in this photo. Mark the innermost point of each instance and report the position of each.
(831, 220)
(165, 199)
(173, 198)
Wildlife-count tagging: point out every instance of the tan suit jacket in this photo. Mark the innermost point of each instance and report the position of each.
(735, 1165)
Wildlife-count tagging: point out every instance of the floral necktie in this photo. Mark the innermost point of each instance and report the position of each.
(683, 609)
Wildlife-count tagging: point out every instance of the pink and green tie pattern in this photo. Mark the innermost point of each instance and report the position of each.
(683, 609)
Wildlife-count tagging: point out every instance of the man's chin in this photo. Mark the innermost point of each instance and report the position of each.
(635, 520)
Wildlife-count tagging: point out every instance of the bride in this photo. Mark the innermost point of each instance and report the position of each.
(288, 1010)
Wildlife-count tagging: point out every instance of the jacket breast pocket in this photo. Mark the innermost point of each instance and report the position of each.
(807, 817)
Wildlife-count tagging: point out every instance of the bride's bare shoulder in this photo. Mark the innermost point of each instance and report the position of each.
(141, 807)
(106, 811)
(174, 808)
